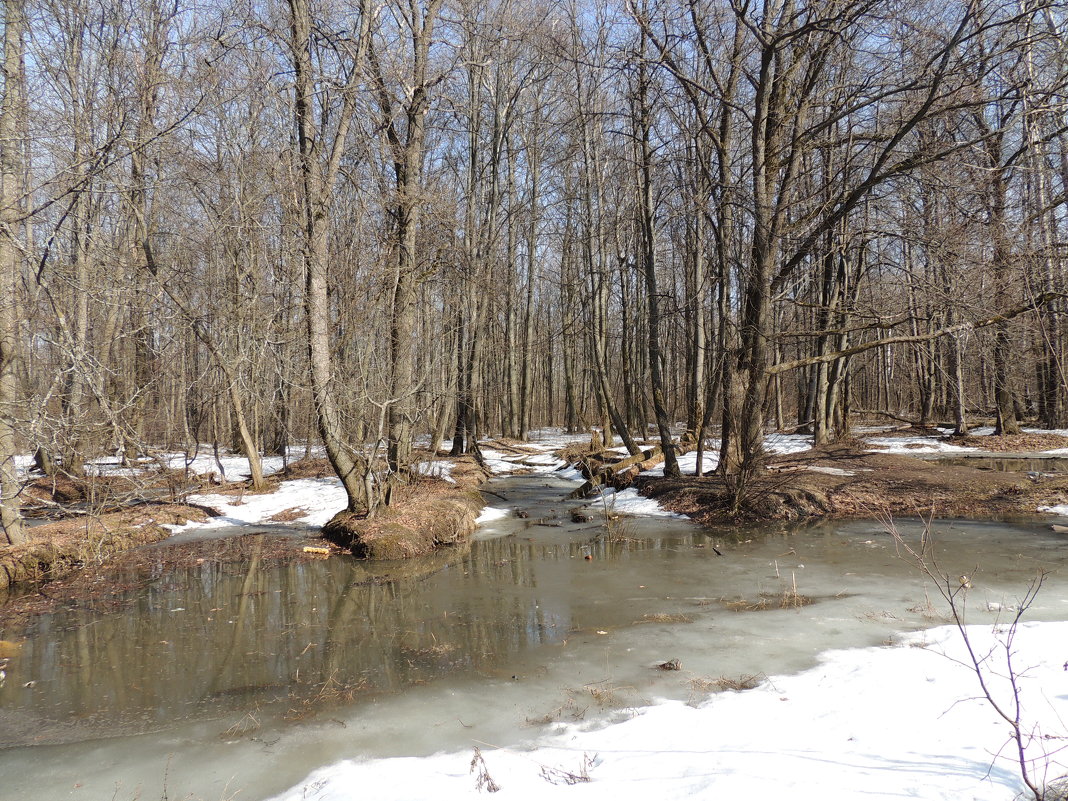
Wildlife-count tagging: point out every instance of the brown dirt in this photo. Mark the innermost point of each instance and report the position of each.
(48, 495)
(1019, 443)
(306, 468)
(881, 484)
(431, 512)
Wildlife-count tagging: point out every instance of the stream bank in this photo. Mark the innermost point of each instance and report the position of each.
(60, 547)
(427, 514)
(850, 480)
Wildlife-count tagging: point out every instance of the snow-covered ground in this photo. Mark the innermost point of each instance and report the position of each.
(200, 462)
(308, 501)
(918, 444)
(876, 723)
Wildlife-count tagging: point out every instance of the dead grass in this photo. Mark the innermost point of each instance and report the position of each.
(89, 540)
(1013, 443)
(242, 728)
(307, 468)
(329, 694)
(665, 617)
(288, 515)
(789, 599)
(737, 684)
(424, 515)
(570, 710)
(880, 484)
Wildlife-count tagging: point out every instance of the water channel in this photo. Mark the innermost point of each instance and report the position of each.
(220, 681)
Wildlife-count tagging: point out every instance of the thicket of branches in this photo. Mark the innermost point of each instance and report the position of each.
(369, 221)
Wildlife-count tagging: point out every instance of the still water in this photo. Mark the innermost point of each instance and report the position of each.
(235, 680)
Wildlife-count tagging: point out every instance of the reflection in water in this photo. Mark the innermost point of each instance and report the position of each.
(218, 637)
(215, 637)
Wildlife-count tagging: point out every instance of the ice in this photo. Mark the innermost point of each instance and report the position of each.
(878, 723)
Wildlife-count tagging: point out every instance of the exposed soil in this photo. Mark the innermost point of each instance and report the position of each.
(52, 496)
(98, 517)
(1021, 443)
(846, 481)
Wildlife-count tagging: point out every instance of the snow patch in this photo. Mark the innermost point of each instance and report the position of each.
(827, 733)
(631, 502)
(316, 500)
(441, 468)
(491, 513)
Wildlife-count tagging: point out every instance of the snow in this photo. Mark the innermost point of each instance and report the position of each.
(909, 445)
(879, 723)
(491, 513)
(23, 464)
(442, 468)
(688, 464)
(501, 463)
(833, 471)
(787, 443)
(570, 474)
(630, 502)
(318, 499)
(203, 462)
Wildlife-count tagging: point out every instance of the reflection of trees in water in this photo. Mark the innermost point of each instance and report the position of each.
(230, 635)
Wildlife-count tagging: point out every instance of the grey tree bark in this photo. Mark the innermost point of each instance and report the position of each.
(11, 189)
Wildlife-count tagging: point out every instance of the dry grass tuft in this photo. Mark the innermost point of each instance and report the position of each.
(665, 617)
(707, 685)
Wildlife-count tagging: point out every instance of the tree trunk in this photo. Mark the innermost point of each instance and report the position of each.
(317, 185)
(11, 175)
(648, 260)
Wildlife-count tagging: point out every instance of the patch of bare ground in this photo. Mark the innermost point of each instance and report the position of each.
(307, 468)
(846, 481)
(1012, 443)
(424, 515)
(288, 515)
(302, 468)
(49, 496)
(54, 549)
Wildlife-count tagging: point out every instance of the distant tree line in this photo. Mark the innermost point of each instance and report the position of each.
(364, 223)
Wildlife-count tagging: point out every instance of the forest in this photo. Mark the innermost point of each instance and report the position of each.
(372, 224)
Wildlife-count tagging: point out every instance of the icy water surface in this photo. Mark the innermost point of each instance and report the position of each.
(225, 681)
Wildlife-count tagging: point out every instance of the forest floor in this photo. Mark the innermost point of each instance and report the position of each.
(850, 480)
(875, 476)
(102, 522)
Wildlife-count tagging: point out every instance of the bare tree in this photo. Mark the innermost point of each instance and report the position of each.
(11, 199)
(320, 152)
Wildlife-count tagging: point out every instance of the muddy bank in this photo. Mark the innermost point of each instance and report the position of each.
(428, 514)
(123, 517)
(110, 587)
(57, 548)
(845, 481)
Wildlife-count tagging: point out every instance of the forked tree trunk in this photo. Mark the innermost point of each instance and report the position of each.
(317, 179)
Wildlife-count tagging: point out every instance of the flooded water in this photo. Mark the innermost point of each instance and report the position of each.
(1003, 462)
(221, 681)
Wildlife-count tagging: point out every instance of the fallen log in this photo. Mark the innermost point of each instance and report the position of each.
(612, 472)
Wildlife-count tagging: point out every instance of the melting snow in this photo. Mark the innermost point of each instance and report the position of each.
(878, 723)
